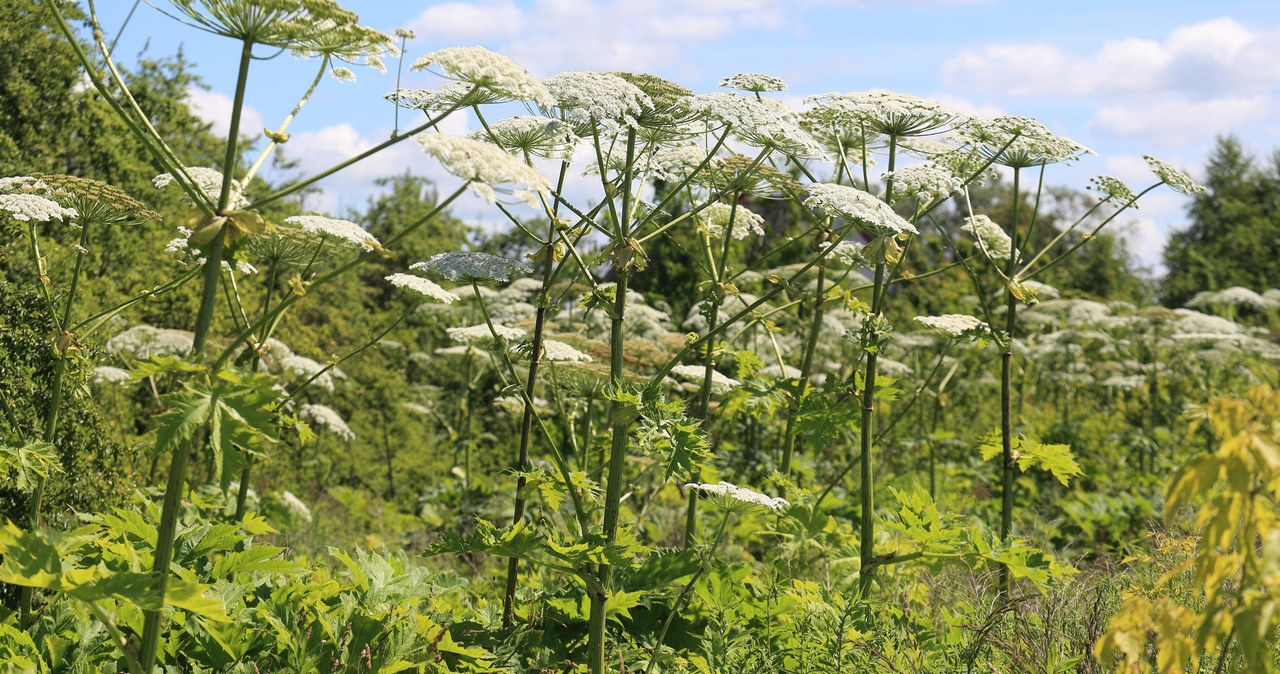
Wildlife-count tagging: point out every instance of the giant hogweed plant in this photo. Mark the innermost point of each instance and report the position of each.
(635, 128)
(1021, 144)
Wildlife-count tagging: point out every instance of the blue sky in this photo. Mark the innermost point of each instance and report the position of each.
(1124, 78)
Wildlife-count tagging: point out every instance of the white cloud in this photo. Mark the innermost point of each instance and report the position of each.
(1145, 239)
(215, 108)
(1212, 58)
(1177, 122)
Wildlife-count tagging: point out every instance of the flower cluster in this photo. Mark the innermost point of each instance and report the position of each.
(530, 136)
(92, 201)
(925, 183)
(484, 165)
(1113, 190)
(882, 112)
(1019, 142)
(1172, 177)
(754, 82)
(304, 368)
(739, 499)
(849, 253)
(422, 286)
(144, 341)
(487, 69)
(472, 266)
(855, 205)
(327, 419)
(676, 162)
(295, 505)
(991, 237)
(757, 122)
(606, 99)
(447, 97)
(715, 219)
(334, 229)
(304, 27)
(480, 334)
(955, 325)
(559, 352)
(209, 182)
(105, 374)
(720, 384)
(33, 208)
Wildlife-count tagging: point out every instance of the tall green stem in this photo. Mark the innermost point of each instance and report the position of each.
(1006, 388)
(204, 319)
(806, 369)
(867, 543)
(867, 537)
(522, 461)
(613, 488)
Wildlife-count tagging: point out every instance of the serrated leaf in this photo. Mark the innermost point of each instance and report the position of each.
(31, 463)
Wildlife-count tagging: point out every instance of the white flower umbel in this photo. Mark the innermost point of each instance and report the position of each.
(488, 69)
(422, 286)
(105, 374)
(334, 229)
(991, 237)
(714, 219)
(587, 98)
(485, 165)
(472, 266)
(955, 325)
(737, 499)
(33, 208)
(1128, 383)
(677, 162)
(757, 123)
(1019, 142)
(295, 505)
(1234, 296)
(1172, 177)
(849, 254)
(451, 95)
(720, 384)
(883, 112)
(528, 136)
(326, 418)
(210, 183)
(754, 82)
(1113, 190)
(144, 341)
(559, 352)
(925, 183)
(303, 368)
(480, 334)
(857, 206)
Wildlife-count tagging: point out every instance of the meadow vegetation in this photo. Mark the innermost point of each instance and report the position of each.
(851, 388)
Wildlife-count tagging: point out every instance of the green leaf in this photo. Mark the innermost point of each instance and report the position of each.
(31, 463)
(1028, 453)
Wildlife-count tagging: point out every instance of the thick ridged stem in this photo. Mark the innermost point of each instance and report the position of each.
(1006, 390)
(613, 488)
(867, 539)
(522, 463)
(204, 319)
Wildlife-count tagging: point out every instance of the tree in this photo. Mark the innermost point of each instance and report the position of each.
(1234, 235)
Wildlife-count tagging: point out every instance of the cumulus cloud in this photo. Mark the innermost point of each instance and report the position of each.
(1177, 122)
(1215, 57)
(215, 108)
(547, 36)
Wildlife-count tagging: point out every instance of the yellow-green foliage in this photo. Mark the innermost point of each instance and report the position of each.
(1237, 558)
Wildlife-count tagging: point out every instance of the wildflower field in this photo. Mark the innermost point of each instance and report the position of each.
(846, 387)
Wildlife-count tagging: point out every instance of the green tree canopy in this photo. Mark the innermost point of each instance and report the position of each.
(1234, 235)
